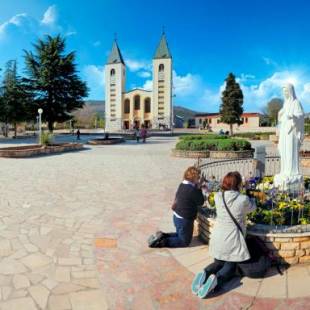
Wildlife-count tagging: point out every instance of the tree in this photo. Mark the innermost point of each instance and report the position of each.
(52, 76)
(232, 100)
(273, 108)
(14, 97)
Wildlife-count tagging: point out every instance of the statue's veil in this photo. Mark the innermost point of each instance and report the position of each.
(294, 109)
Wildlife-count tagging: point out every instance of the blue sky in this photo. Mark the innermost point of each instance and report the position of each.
(264, 43)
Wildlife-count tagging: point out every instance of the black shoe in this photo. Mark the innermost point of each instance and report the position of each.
(154, 240)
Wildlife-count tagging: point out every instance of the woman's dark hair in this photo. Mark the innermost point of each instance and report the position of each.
(232, 181)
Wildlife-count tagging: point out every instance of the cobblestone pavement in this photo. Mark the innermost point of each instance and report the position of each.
(73, 231)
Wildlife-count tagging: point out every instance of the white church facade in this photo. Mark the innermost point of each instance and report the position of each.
(131, 109)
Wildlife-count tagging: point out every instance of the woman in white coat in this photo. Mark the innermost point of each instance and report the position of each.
(227, 244)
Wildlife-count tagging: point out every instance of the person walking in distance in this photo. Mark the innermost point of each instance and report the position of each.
(143, 133)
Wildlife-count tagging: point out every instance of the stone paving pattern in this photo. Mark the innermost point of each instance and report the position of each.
(73, 230)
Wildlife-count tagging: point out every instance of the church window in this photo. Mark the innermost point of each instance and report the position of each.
(147, 105)
(112, 72)
(137, 102)
(161, 75)
(127, 106)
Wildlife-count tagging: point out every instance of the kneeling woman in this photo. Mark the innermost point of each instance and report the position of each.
(188, 197)
(227, 243)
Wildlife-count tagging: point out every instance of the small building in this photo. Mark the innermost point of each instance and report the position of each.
(250, 122)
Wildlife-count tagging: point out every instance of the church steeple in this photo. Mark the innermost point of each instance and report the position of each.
(162, 50)
(115, 55)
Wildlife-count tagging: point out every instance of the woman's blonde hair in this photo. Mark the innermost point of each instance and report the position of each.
(191, 174)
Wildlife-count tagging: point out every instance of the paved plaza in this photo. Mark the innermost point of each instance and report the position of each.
(73, 230)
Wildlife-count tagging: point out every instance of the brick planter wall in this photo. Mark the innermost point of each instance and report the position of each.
(231, 154)
(305, 161)
(106, 141)
(37, 150)
(190, 154)
(291, 248)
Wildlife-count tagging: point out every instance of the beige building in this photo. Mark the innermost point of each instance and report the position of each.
(250, 122)
(130, 109)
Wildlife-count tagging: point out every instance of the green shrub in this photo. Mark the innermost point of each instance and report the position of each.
(46, 138)
(307, 129)
(213, 145)
(202, 137)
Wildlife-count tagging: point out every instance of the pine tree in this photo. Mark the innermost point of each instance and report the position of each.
(232, 100)
(52, 76)
(14, 97)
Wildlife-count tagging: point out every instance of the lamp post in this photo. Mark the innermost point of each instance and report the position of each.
(37, 125)
(40, 111)
(172, 113)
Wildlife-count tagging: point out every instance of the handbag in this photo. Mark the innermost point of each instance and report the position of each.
(259, 261)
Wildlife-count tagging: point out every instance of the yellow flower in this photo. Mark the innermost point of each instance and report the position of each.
(211, 199)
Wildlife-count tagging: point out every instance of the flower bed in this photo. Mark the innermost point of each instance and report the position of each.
(37, 150)
(281, 220)
(289, 247)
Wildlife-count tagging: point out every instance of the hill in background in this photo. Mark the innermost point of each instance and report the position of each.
(97, 106)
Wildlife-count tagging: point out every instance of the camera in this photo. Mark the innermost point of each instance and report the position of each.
(249, 193)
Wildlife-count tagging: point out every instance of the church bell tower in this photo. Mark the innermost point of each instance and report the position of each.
(162, 85)
(115, 78)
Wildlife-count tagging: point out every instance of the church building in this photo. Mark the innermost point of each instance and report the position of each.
(137, 107)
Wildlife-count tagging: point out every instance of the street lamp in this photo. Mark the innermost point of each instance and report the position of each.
(40, 111)
(37, 125)
(172, 113)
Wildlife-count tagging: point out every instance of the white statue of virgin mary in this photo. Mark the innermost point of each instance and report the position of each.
(291, 135)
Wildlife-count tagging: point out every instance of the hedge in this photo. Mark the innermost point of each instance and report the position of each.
(202, 137)
(213, 145)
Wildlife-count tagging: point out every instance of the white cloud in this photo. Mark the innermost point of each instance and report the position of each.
(95, 74)
(148, 85)
(70, 33)
(257, 95)
(186, 85)
(24, 24)
(136, 65)
(50, 16)
(144, 74)
(16, 21)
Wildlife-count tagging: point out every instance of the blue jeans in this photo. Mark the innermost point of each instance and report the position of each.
(224, 271)
(183, 235)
